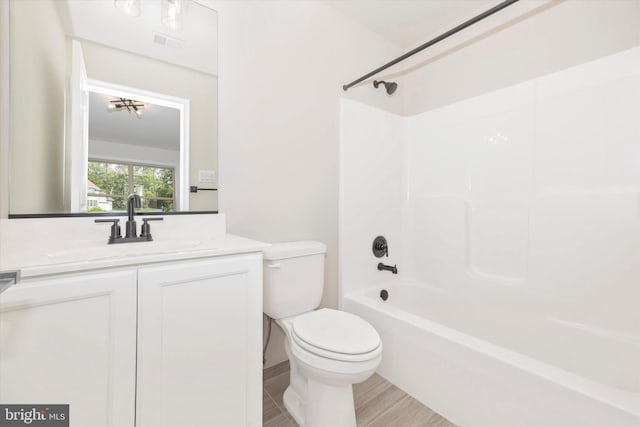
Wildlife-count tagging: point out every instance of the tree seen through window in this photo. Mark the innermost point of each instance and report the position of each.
(111, 183)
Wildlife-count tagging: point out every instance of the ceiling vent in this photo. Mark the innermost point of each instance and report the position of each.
(168, 41)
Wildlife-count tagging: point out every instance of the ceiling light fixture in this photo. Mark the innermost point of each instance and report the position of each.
(123, 104)
(172, 11)
(128, 7)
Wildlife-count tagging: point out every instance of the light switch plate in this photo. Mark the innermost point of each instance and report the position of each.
(207, 176)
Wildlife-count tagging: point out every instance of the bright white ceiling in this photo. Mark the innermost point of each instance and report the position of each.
(196, 43)
(99, 21)
(159, 126)
(409, 23)
(406, 23)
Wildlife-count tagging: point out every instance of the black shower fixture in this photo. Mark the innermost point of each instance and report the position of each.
(390, 86)
(380, 247)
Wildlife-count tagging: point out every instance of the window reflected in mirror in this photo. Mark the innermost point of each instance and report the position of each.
(109, 185)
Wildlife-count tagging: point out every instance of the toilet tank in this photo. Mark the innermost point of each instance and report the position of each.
(293, 278)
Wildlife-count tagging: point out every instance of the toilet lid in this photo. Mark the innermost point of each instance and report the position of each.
(335, 332)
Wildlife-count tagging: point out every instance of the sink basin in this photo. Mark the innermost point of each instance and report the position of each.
(120, 250)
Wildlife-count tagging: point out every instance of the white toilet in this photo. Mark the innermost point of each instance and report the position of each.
(329, 350)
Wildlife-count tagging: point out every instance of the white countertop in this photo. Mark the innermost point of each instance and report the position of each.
(125, 254)
(58, 246)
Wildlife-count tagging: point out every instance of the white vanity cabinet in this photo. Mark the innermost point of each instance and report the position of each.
(72, 340)
(199, 343)
(168, 344)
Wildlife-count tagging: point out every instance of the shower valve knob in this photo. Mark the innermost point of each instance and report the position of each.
(380, 247)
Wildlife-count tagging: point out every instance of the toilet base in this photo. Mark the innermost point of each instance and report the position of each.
(329, 405)
(333, 406)
(295, 405)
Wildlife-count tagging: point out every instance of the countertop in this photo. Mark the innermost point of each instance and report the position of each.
(42, 247)
(121, 255)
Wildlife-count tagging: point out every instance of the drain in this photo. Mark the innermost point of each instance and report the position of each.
(384, 294)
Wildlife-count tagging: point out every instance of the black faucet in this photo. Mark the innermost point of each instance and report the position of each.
(131, 234)
(393, 269)
(133, 201)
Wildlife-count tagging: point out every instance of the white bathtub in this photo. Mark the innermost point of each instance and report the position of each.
(502, 367)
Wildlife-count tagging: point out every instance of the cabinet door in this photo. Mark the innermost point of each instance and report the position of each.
(72, 341)
(199, 343)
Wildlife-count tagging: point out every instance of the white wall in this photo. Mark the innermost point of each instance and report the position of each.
(37, 108)
(4, 110)
(282, 67)
(528, 39)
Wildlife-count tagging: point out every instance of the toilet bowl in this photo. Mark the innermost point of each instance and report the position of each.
(324, 369)
(329, 350)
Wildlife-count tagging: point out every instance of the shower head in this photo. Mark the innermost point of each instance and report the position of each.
(389, 86)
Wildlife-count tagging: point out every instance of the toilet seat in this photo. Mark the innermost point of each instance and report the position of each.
(336, 335)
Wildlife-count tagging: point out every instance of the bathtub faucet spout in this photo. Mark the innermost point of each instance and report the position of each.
(393, 269)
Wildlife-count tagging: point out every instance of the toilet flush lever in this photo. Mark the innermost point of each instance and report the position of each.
(276, 265)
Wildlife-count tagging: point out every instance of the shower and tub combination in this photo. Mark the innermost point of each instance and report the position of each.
(514, 220)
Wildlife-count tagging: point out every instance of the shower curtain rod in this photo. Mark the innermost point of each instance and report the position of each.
(441, 37)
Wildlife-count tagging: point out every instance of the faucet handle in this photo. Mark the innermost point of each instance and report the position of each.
(115, 228)
(380, 247)
(146, 228)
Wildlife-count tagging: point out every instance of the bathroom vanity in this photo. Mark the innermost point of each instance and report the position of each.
(162, 333)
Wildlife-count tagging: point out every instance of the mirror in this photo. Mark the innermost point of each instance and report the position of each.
(110, 97)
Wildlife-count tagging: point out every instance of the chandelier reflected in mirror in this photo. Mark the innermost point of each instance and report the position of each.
(124, 104)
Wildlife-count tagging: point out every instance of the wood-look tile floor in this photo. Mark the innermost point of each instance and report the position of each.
(378, 404)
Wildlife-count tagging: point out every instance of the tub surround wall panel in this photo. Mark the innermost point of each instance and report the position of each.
(530, 191)
(585, 228)
(437, 234)
(373, 192)
(474, 157)
(521, 212)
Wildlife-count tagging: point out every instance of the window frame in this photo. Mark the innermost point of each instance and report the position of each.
(130, 178)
